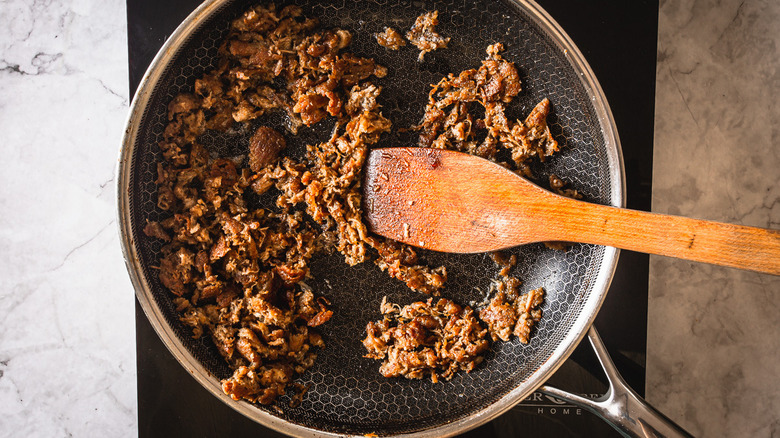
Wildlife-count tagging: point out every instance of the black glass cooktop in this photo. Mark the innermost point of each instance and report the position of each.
(619, 41)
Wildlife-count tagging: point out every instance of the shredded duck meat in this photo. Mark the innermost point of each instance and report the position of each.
(451, 121)
(235, 271)
(426, 339)
(506, 263)
(423, 34)
(510, 315)
(390, 38)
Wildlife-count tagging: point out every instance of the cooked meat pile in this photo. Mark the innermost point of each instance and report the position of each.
(423, 34)
(451, 117)
(426, 338)
(236, 272)
(511, 314)
(390, 38)
(438, 340)
(451, 121)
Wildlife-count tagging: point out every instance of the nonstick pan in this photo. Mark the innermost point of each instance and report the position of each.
(347, 395)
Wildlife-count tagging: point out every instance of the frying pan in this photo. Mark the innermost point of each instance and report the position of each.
(347, 395)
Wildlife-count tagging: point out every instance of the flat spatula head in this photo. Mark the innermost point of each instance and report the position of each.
(449, 201)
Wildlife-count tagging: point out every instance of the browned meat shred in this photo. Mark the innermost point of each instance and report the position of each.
(423, 34)
(451, 122)
(534, 134)
(264, 147)
(390, 38)
(506, 263)
(154, 229)
(426, 339)
(510, 315)
(400, 261)
(236, 273)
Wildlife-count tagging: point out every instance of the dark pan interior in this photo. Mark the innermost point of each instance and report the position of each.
(347, 394)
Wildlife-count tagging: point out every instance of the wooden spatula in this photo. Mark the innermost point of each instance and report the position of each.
(454, 202)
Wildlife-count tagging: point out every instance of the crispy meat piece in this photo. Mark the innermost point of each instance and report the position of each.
(176, 271)
(500, 317)
(508, 316)
(426, 339)
(183, 103)
(423, 34)
(261, 385)
(311, 106)
(390, 38)
(264, 147)
(529, 313)
(534, 135)
(362, 99)
(451, 117)
(400, 261)
(563, 188)
(154, 229)
(506, 263)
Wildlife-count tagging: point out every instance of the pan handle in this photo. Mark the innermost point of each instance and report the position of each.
(621, 406)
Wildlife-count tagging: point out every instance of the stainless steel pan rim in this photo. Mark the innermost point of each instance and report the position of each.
(196, 369)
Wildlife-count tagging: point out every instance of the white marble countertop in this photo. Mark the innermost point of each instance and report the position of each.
(67, 356)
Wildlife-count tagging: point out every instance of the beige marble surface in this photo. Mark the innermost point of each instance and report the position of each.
(714, 333)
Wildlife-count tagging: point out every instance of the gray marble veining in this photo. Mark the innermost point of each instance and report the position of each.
(713, 358)
(67, 356)
(66, 306)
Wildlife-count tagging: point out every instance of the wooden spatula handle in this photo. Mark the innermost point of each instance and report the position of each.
(737, 246)
(455, 202)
